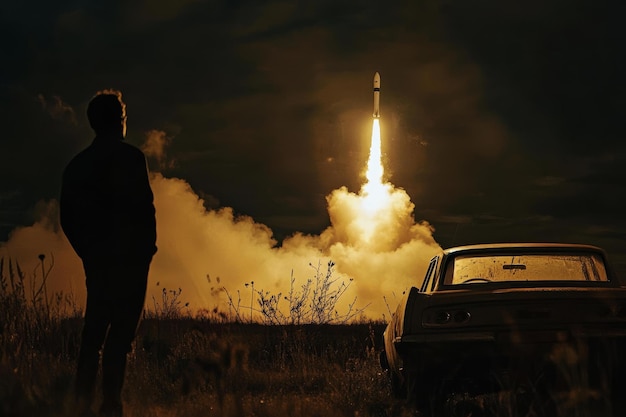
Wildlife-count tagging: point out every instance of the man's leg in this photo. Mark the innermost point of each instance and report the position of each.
(126, 315)
(93, 334)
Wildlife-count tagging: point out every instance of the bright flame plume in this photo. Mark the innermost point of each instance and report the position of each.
(375, 197)
(376, 193)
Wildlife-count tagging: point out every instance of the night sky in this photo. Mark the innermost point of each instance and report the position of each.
(502, 120)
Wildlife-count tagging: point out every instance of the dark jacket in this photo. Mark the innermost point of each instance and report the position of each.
(107, 209)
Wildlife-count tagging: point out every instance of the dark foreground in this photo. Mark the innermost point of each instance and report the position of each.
(192, 367)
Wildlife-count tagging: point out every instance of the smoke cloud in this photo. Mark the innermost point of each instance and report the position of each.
(154, 147)
(379, 253)
(58, 109)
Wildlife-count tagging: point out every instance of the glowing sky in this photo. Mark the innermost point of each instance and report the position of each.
(501, 121)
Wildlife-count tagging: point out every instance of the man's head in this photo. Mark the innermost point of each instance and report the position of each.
(107, 113)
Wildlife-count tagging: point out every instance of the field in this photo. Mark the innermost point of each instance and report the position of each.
(188, 367)
(212, 365)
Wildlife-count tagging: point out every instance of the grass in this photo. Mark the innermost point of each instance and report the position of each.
(181, 365)
(216, 364)
(185, 367)
(250, 369)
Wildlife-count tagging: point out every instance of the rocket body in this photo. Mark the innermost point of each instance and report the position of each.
(376, 95)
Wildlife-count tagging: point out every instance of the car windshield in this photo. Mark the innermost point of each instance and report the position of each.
(467, 269)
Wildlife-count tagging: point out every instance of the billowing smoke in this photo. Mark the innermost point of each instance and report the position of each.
(386, 251)
(155, 147)
(27, 244)
(58, 109)
(380, 253)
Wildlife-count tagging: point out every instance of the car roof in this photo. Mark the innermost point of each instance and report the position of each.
(497, 247)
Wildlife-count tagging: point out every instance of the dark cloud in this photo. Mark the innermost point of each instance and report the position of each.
(553, 70)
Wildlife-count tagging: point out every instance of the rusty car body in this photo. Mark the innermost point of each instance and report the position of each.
(489, 313)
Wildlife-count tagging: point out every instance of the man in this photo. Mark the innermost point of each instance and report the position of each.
(107, 214)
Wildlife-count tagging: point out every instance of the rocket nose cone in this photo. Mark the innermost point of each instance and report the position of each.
(377, 80)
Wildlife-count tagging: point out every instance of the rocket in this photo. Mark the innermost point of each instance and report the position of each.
(376, 95)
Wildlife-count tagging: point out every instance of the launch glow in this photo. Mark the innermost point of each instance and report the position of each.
(374, 191)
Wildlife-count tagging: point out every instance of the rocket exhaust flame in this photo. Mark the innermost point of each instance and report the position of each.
(375, 168)
(375, 192)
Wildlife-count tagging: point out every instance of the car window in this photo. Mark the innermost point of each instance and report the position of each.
(429, 273)
(432, 273)
(465, 269)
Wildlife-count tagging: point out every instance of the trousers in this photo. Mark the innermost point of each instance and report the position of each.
(116, 293)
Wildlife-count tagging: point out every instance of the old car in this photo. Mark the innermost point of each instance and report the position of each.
(487, 314)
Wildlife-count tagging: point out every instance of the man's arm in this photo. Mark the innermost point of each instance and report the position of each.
(139, 201)
(73, 213)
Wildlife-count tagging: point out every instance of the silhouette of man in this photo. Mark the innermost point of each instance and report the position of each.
(107, 214)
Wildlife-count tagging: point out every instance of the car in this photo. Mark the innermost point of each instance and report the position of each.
(490, 316)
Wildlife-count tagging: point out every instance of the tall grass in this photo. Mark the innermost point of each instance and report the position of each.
(39, 340)
(184, 364)
(308, 362)
(315, 301)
